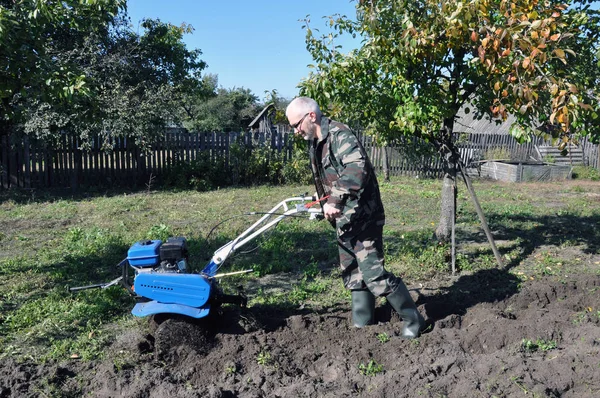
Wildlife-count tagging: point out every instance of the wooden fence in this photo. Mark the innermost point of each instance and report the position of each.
(30, 163)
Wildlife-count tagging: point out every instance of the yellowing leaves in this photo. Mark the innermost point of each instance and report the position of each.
(560, 54)
(573, 88)
(545, 33)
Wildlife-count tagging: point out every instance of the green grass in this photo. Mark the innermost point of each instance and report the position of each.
(48, 243)
(530, 346)
(370, 369)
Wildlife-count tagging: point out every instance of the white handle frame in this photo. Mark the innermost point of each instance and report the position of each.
(285, 208)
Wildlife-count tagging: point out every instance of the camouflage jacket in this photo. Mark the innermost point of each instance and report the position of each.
(342, 170)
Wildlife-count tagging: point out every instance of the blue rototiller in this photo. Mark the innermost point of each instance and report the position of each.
(158, 274)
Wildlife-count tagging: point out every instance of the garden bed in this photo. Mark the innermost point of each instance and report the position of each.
(522, 171)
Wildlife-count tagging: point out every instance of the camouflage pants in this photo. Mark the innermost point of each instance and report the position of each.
(361, 260)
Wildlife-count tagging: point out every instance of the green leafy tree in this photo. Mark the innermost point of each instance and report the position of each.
(30, 33)
(226, 110)
(129, 84)
(420, 62)
(141, 80)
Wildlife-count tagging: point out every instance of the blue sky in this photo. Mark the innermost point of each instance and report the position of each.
(257, 44)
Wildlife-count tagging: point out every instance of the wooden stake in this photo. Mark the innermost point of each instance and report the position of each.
(480, 214)
(454, 228)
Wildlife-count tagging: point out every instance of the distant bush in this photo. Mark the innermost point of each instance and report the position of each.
(585, 173)
(202, 174)
(297, 169)
(248, 165)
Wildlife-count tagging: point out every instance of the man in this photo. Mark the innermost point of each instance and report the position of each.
(343, 173)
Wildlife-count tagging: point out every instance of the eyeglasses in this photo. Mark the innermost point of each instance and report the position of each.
(295, 126)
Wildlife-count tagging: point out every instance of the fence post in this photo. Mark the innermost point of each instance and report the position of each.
(4, 141)
(77, 165)
(13, 174)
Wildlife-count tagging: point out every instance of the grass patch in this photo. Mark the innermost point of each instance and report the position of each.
(370, 369)
(585, 173)
(531, 346)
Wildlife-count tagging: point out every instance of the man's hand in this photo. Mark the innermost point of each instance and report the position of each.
(331, 212)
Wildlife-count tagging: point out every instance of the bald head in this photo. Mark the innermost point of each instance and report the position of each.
(304, 116)
(301, 106)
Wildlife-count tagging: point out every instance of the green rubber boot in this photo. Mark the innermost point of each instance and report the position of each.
(363, 308)
(404, 305)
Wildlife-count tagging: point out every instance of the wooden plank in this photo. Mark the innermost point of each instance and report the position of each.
(41, 165)
(156, 155)
(188, 147)
(94, 154)
(12, 163)
(175, 147)
(4, 161)
(137, 166)
(127, 152)
(198, 145)
(213, 148)
(27, 161)
(69, 174)
(77, 165)
(133, 161)
(120, 161)
(32, 154)
(161, 154)
(49, 172)
(230, 139)
(126, 174)
(223, 150)
(153, 161)
(18, 149)
(110, 161)
(192, 145)
(166, 152)
(62, 157)
(102, 160)
(114, 160)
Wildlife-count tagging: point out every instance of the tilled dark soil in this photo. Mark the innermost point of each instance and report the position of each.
(489, 335)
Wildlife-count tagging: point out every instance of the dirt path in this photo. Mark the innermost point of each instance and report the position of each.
(487, 338)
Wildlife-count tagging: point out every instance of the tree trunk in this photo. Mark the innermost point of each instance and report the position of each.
(449, 156)
(448, 200)
(386, 164)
